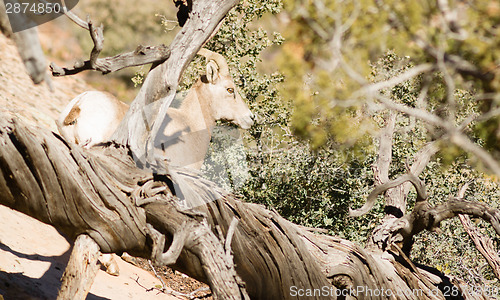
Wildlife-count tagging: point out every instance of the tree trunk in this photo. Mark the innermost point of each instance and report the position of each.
(101, 193)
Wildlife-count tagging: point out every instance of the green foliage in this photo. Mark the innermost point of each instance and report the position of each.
(312, 149)
(312, 188)
(330, 45)
(309, 186)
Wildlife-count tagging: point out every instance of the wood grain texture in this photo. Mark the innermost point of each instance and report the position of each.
(81, 269)
(101, 193)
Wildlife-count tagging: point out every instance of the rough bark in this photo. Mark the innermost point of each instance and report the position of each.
(101, 193)
(81, 270)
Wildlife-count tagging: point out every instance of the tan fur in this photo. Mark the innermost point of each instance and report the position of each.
(72, 116)
(121, 107)
(187, 130)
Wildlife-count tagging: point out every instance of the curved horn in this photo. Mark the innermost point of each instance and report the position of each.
(217, 58)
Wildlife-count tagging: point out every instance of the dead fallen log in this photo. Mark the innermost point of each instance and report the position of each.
(102, 194)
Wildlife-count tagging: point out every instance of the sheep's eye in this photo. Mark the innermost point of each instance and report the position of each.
(230, 90)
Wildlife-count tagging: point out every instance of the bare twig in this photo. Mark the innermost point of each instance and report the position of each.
(463, 189)
(145, 288)
(411, 73)
(415, 112)
(424, 217)
(157, 275)
(96, 33)
(176, 294)
(73, 17)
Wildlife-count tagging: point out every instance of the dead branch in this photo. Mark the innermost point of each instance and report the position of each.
(422, 158)
(395, 198)
(143, 55)
(83, 267)
(73, 17)
(381, 168)
(97, 35)
(463, 189)
(421, 114)
(455, 207)
(483, 243)
(410, 74)
(425, 217)
(420, 162)
(417, 183)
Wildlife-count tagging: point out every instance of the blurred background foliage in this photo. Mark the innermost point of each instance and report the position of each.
(304, 68)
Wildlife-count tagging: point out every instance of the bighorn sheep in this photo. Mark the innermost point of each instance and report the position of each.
(92, 117)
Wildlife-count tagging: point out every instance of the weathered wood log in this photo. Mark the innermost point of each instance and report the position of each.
(84, 193)
(176, 218)
(67, 189)
(81, 270)
(101, 193)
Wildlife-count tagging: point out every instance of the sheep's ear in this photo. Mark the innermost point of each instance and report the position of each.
(212, 72)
